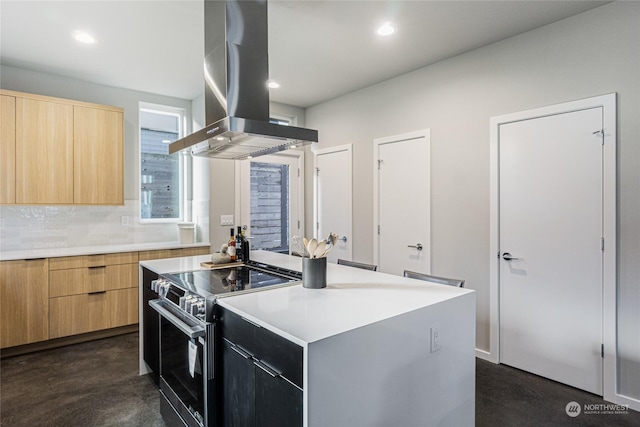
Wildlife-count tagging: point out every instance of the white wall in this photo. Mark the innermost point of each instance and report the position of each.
(593, 53)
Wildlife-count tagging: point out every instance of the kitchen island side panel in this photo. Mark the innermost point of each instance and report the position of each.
(384, 374)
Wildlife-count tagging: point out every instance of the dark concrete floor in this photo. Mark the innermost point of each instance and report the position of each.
(97, 384)
(89, 384)
(508, 397)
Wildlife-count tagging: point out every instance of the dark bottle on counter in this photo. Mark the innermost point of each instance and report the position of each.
(245, 245)
(231, 250)
(239, 245)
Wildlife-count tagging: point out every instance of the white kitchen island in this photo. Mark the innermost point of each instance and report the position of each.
(369, 359)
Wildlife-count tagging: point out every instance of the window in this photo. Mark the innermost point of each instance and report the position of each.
(161, 174)
(270, 206)
(271, 192)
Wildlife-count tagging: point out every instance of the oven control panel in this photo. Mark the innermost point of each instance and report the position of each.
(161, 287)
(193, 304)
(188, 302)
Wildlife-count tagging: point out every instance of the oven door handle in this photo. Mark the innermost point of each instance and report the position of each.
(192, 332)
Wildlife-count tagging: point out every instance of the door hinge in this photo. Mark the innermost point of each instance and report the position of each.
(379, 163)
(298, 172)
(378, 229)
(298, 224)
(602, 243)
(602, 350)
(317, 171)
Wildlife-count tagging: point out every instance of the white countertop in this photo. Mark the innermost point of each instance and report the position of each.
(353, 298)
(89, 250)
(176, 265)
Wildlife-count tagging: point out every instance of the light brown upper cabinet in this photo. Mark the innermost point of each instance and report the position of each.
(98, 156)
(66, 152)
(44, 152)
(7, 149)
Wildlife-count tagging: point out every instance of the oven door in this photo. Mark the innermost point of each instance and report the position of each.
(186, 354)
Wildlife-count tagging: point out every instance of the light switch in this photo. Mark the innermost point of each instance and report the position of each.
(435, 339)
(226, 219)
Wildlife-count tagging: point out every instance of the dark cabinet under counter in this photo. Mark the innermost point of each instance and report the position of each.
(261, 375)
(151, 326)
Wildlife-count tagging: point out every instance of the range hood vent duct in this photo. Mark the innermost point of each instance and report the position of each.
(236, 69)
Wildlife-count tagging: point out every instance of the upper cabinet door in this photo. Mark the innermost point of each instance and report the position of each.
(7, 149)
(98, 156)
(44, 152)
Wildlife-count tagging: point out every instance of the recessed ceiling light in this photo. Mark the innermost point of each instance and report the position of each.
(386, 29)
(166, 141)
(249, 157)
(273, 85)
(292, 146)
(83, 37)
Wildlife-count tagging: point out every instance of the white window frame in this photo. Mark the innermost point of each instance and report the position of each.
(185, 163)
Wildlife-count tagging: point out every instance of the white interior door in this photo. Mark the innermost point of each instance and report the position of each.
(271, 195)
(402, 217)
(333, 198)
(551, 224)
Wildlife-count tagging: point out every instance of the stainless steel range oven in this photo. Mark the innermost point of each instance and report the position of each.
(187, 334)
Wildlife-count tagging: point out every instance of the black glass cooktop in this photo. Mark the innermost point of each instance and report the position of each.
(227, 280)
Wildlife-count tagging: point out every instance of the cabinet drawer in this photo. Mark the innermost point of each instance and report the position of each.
(123, 306)
(99, 260)
(78, 314)
(173, 253)
(76, 281)
(149, 255)
(275, 351)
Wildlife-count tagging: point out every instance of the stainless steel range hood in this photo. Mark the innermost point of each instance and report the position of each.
(236, 70)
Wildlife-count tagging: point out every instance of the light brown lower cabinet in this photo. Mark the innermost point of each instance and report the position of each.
(43, 299)
(78, 314)
(84, 280)
(92, 292)
(173, 253)
(24, 302)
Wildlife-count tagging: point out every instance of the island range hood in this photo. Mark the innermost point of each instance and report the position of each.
(236, 71)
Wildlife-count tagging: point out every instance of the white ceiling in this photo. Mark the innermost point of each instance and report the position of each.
(317, 49)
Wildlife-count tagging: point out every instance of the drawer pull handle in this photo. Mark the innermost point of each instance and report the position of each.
(273, 373)
(98, 266)
(97, 292)
(249, 321)
(242, 352)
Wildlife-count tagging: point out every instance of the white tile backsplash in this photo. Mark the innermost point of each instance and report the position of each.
(42, 227)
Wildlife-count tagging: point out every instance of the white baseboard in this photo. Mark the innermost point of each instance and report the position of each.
(633, 404)
(485, 355)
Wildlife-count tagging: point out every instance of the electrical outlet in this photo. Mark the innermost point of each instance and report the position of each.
(226, 219)
(124, 220)
(435, 339)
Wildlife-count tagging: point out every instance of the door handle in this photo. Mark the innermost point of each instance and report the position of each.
(343, 238)
(507, 257)
(418, 246)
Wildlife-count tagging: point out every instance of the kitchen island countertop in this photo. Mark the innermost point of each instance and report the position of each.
(353, 298)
